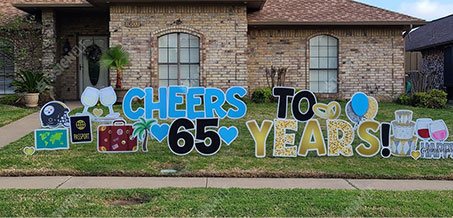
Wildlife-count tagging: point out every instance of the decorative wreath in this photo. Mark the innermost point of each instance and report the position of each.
(93, 52)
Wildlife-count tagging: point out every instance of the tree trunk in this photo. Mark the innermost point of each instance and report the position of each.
(119, 77)
(145, 142)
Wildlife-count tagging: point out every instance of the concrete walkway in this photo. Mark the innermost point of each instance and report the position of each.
(68, 182)
(19, 128)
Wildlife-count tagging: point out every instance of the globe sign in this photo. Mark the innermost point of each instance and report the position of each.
(80, 124)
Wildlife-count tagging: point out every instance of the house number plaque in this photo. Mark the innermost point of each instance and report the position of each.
(132, 23)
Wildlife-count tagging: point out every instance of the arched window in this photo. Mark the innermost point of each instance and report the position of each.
(179, 60)
(323, 64)
(6, 67)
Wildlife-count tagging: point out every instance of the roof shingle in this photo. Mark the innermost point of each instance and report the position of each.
(8, 11)
(51, 2)
(436, 33)
(325, 12)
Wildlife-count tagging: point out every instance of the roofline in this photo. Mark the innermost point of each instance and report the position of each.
(430, 46)
(28, 6)
(441, 18)
(251, 4)
(361, 23)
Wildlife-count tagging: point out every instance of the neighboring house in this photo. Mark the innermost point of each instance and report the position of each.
(332, 47)
(435, 42)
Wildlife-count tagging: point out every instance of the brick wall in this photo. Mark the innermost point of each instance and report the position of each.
(223, 38)
(370, 60)
(49, 43)
(71, 27)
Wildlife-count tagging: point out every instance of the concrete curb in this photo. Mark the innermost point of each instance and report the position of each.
(68, 182)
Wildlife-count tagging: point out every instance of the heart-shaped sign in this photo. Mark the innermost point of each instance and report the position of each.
(160, 131)
(228, 135)
(98, 112)
(415, 154)
(29, 151)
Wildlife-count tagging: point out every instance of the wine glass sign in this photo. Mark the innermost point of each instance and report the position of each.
(92, 96)
(438, 131)
(422, 127)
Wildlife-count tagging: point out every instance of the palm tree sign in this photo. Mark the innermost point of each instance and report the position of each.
(141, 130)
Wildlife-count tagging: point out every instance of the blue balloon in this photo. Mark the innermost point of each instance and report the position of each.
(360, 104)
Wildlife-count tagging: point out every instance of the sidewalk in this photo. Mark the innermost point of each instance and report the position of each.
(68, 182)
(19, 128)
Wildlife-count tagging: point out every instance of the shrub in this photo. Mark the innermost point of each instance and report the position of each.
(420, 99)
(438, 99)
(404, 99)
(263, 95)
(435, 98)
(9, 99)
(30, 82)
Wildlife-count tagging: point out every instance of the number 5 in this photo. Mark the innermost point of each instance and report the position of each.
(202, 134)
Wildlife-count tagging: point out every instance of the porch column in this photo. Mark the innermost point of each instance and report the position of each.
(49, 49)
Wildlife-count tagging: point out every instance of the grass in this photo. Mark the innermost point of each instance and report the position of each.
(236, 160)
(10, 113)
(223, 202)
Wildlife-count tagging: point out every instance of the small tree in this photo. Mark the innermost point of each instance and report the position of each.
(116, 58)
(24, 35)
(280, 72)
(141, 130)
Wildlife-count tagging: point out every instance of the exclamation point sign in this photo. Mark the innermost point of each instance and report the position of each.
(385, 140)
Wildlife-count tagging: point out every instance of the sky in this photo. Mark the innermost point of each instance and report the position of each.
(425, 9)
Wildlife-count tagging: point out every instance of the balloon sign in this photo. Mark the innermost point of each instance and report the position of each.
(359, 104)
(361, 107)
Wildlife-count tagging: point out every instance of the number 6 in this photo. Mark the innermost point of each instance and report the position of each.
(175, 135)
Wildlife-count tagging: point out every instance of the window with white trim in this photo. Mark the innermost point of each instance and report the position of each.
(324, 64)
(6, 67)
(179, 60)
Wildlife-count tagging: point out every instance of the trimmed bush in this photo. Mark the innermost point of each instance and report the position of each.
(438, 98)
(404, 99)
(435, 98)
(420, 99)
(263, 95)
(9, 99)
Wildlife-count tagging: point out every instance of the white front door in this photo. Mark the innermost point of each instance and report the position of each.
(91, 73)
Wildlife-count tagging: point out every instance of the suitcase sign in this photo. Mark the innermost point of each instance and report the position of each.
(116, 137)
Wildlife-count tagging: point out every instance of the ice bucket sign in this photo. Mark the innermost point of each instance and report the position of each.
(191, 128)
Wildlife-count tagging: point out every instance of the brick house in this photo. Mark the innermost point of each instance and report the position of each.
(332, 47)
(435, 42)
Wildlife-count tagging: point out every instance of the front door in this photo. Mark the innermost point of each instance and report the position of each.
(91, 73)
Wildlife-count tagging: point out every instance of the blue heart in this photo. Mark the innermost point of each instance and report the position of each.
(160, 131)
(228, 135)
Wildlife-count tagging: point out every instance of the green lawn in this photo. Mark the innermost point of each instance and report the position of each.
(10, 113)
(223, 202)
(235, 160)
